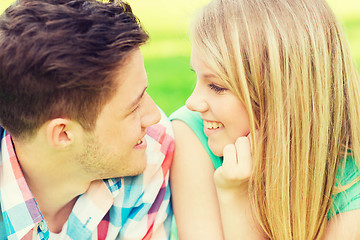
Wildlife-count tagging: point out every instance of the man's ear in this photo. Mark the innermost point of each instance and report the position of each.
(59, 133)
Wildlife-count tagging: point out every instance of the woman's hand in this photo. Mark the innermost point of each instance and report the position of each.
(231, 181)
(237, 166)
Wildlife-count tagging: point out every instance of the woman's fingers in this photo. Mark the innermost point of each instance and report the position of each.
(236, 168)
(243, 151)
(229, 156)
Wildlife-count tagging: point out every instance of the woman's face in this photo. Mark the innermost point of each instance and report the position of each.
(225, 117)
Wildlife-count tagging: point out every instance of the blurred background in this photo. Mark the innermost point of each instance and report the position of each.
(167, 54)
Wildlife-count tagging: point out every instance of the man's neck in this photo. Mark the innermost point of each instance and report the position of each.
(53, 182)
(55, 202)
(56, 220)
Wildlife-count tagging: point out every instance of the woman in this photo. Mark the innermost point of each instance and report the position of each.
(278, 74)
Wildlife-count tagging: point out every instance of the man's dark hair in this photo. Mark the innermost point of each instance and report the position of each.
(57, 58)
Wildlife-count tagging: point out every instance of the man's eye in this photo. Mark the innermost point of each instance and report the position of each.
(135, 109)
(216, 88)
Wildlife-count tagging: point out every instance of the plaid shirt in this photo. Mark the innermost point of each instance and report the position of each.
(123, 208)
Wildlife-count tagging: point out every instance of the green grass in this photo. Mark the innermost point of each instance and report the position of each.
(167, 53)
(168, 85)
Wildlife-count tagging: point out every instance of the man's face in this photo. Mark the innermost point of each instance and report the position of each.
(117, 146)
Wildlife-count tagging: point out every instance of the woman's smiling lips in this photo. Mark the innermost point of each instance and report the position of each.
(211, 127)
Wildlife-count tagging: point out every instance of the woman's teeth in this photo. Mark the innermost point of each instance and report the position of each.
(213, 125)
(139, 141)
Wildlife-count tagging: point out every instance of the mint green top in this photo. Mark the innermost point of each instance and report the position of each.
(348, 171)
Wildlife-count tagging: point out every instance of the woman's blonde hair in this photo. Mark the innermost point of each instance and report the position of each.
(289, 63)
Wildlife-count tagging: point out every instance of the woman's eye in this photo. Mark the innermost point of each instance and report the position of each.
(216, 88)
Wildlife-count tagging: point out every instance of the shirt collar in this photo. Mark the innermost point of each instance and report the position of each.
(19, 208)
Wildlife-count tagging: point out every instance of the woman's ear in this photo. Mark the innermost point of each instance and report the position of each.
(59, 133)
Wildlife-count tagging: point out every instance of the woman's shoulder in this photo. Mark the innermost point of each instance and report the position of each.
(184, 114)
(347, 171)
(192, 120)
(347, 187)
(196, 124)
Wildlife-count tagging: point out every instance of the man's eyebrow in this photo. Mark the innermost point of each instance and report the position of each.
(137, 99)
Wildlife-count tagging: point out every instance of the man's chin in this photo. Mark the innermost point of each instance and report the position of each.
(133, 170)
(137, 170)
(132, 173)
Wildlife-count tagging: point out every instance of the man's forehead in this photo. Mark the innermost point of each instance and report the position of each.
(131, 79)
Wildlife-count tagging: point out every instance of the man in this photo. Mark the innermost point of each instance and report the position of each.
(80, 155)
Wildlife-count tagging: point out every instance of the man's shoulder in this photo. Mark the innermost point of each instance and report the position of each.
(161, 132)
(160, 147)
